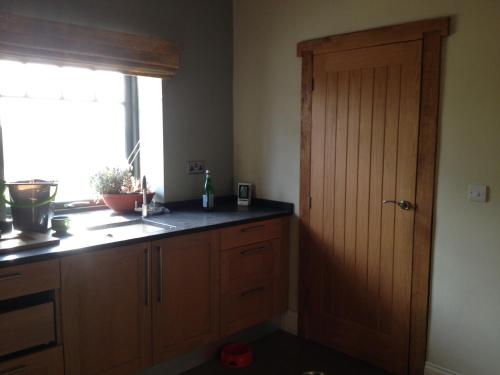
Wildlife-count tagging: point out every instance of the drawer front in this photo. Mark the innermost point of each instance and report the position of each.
(46, 362)
(246, 308)
(26, 328)
(246, 234)
(247, 266)
(28, 279)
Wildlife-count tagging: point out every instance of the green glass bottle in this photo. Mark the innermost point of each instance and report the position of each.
(208, 193)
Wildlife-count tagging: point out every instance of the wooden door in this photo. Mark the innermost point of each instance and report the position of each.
(365, 116)
(106, 311)
(185, 293)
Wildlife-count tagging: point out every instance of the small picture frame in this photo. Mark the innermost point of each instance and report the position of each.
(244, 193)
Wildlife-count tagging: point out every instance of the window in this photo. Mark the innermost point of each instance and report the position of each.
(64, 124)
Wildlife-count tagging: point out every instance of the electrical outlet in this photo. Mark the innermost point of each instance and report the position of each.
(196, 166)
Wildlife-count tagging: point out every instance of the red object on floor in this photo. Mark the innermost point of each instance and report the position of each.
(237, 355)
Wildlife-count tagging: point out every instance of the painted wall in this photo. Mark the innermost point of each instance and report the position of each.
(198, 100)
(465, 301)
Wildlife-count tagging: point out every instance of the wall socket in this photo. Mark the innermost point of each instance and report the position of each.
(196, 166)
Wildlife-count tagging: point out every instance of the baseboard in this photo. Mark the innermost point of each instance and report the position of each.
(432, 369)
(289, 322)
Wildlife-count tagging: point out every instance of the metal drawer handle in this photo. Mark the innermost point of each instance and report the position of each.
(251, 291)
(10, 276)
(404, 205)
(147, 278)
(13, 370)
(252, 229)
(252, 251)
(160, 274)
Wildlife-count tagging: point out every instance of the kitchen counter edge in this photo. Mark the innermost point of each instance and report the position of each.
(274, 209)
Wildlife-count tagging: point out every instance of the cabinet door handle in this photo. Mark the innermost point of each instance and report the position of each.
(10, 276)
(252, 229)
(146, 277)
(251, 291)
(252, 251)
(13, 370)
(160, 274)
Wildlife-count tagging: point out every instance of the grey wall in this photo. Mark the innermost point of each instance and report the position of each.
(198, 100)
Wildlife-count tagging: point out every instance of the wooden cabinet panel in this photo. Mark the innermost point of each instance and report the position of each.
(246, 266)
(47, 362)
(254, 278)
(281, 267)
(28, 279)
(242, 309)
(126, 308)
(240, 235)
(185, 293)
(106, 311)
(26, 328)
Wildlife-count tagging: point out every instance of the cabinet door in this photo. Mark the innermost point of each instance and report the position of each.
(106, 311)
(248, 307)
(245, 267)
(185, 293)
(46, 362)
(254, 279)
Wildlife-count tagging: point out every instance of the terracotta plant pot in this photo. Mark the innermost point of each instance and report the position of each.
(123, 203)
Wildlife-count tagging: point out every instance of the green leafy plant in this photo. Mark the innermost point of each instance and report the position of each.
(114, 180)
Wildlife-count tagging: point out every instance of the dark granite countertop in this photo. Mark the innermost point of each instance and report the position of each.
(111, 230)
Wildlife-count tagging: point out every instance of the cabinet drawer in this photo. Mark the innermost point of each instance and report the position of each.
(47, 362)
(246, 308)
(26, 328)
(246, 234)
(247, 266)
(28, 279)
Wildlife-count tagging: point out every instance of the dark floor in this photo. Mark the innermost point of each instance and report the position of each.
(282, 353)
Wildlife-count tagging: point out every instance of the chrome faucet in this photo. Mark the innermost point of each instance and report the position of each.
(144, 198)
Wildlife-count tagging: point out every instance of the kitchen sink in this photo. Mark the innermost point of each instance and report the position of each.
(129, 228)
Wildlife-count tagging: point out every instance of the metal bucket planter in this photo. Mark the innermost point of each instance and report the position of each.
(30, 203)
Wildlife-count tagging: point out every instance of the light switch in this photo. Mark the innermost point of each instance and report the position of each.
(478, 193)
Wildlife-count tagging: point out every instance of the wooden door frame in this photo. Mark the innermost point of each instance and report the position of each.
(430, 32)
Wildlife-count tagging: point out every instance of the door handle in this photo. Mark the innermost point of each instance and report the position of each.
(251, 291)
(252, 229)
(404, 205)
(160, 274)
(10, 276)
(252, 251)
(147, 277)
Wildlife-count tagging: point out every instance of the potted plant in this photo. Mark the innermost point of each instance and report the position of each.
(119, 189)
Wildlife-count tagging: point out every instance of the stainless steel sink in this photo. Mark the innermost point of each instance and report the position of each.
(128, 229)
(114, 224)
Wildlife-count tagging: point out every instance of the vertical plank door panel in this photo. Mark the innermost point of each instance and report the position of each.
(363, 151)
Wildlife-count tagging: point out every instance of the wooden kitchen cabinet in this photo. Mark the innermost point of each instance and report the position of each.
(254, 273)
(27, 279)
(185, 293)
(244, 234)
(47, 362)
(106, 311)
(126, 308)
(27, 328)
